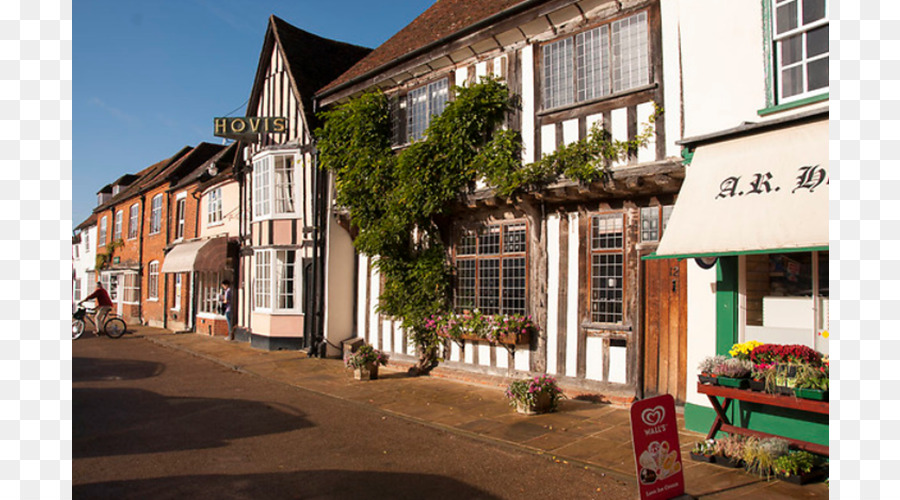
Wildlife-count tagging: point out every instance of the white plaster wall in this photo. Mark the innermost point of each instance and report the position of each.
(502, 357)
(619, 127)
(570, 131)
(669, 12)
(723, 63)
(338, 287)
(592, 119)
(548, 139)
(461, 75)
(374, 291)
(527, 62)
(552, 291)
(455, 352)
(617, 365)
(523, 359)
(480, 71)
(470, 353)
(648, 152)
(484, 354)
(230, 217)
(594, 364)
(387, 338)
(86, 260)
(701, 324)
(572, 305)
(361, 292)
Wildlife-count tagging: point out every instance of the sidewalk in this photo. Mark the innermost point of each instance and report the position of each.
(579, 433)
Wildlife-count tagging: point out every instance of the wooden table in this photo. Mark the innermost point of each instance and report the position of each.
(723, 424)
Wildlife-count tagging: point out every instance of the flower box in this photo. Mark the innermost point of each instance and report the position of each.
(813, 476)
(731, 463)
(757, 385)
(707, 379)
(514, 338)
(739, 383)
(702, 458)
(815, 394)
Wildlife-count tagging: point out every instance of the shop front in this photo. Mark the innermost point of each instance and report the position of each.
(752, 216)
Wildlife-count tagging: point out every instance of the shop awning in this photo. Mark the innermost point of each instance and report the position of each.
(759, 193)
(198, 255)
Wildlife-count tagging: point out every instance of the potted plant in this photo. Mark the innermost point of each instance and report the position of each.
(365, 362)
(510, 329)
(812, 383)
(729, 451)
(704, 451)
(760, 455)
(744, 349)
(707, 368)
(800, 467)
(733, 372)
(534, 395)
(760, 376)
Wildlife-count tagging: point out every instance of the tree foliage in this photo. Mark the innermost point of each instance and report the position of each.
(394, 198)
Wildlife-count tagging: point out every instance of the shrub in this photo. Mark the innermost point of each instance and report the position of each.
(526, 391)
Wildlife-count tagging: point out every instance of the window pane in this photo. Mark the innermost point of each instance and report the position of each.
(417, 109)
(437, 97)
(792, 81)
(514, 285)
(823, 274)
(667, 213)
(592, 61)
(786, 17)
(650, 224)
(467, 244)
(489, 286)
(489, 241)
(558, 73)
(817, 74)
(817, 42)
(465, 285)
(607, 232)
(514, 238)
(286, 276)
(631, 66)
(813, 10)
(791, 50)
(284, 185)
(606, 288)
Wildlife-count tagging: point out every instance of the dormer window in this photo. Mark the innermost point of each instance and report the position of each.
(116, 189)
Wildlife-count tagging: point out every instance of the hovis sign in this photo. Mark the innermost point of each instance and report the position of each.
(248, 128)
(656, 451)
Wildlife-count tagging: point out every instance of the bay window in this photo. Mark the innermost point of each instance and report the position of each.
(273, 187)
(604, 60)
(491, 269)
(276, 280)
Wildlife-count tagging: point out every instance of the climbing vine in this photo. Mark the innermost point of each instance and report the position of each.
(102, 260)
(394, 198)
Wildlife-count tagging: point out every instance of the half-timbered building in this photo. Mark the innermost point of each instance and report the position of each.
(568, 255)
(290, 247)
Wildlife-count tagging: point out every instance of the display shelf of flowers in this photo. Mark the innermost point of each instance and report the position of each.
(767, 457)
(496, 329)
(365, 362)
(795, 370)
(534, 395)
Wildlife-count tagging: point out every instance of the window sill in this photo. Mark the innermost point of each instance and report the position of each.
(793, 104)
(215, 224)
(604, 329)
(607, 97)
(277, 217)
(152, 299)
(278, 312)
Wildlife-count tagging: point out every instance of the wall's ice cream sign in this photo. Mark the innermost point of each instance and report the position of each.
(248, 128)
(654, 434)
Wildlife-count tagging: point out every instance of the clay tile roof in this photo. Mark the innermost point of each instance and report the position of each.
(441, 20)
(90, 221)
(312, 62)
(223, 160)
(145, 178)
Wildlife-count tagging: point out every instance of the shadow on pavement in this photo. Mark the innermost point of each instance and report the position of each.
(296, 485)
(104, 422)
(95, 369)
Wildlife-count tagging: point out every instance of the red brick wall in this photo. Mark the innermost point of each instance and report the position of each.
(154, 245)
(215, 327)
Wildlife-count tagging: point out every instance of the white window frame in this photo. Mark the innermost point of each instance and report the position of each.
(267, 192)
(101, 233)
(269, 280)
(176, 306)
(802, 30)
(180, 208)
(117, 226)
(563, 64)
(214, 207)
(76, 295)
(87, 241)
(208, 290)
(432, 99)
(153, 280)
(134, 212)
(156, 214)
(131, 284)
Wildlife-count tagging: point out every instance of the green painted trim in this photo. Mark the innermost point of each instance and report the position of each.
(768, 52)
(653, 255)
(793, 104)
(792, 424)
(687, 155)
(727, 284)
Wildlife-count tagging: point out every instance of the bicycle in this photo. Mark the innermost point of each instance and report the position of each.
(114, 327)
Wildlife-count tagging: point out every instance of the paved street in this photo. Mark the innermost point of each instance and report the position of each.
(155, 422)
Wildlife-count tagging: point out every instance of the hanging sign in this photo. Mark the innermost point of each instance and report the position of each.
(656, 451)
(248, 128)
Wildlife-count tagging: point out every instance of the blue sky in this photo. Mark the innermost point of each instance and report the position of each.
(150, 75)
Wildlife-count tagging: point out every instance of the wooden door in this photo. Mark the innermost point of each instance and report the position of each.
(665, 328)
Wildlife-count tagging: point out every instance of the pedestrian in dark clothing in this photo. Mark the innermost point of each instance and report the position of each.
(226, 305)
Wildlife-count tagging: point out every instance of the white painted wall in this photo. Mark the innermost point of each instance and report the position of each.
(338, 287)
(572, 304)
(701, 324)
(552, 292)
(230, 223)
(527, 61)
(85, 261)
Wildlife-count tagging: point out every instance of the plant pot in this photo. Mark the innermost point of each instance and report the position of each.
(702, 458)
(815, 394)
(784, 391)
(731, 463)
(513, 338)
(542, 404)
(738, 383)
(813, 476)
(758, 385)
(707, 379)
(367, 372)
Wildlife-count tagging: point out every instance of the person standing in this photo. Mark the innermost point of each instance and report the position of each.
(226, 305)
(104, 306)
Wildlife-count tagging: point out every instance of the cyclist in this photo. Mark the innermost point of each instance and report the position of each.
(104, 306)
